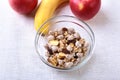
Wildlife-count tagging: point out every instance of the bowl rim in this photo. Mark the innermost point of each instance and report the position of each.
(87, 58)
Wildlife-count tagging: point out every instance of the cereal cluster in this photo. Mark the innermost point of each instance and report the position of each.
(65, 48)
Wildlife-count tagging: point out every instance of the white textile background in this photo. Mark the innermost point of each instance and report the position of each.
(19, 61)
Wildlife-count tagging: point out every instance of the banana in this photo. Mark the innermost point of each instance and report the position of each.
(46, 10)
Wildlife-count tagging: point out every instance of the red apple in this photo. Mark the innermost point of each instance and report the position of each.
(85, 9)
(23, 6)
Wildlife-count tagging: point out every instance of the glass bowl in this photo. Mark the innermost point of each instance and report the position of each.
(69, 22)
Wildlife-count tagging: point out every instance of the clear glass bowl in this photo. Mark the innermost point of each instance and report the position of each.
(69, 22)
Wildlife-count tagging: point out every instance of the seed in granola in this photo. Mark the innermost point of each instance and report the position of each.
(54, 42)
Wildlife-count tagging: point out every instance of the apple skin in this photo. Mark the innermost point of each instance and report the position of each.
(85, 9)
(23, 6)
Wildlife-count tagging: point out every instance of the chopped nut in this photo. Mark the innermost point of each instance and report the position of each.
(60, 49)
(66, 60)
(53, 61)
(71, 37)
(50, 37)
(57, 54)
(78, 44)
(68, 64)
(51, 33)
(79, 55)
(65, 51)
(69, 48)
(54, 56)
(54, 48)
(60, 62)
(64, 29)
(65, 33)
(86, 45)
(60, 37)
(73, 59)
(54, 42)
(61, 55)
(75, 56)
(49, 51)
(66, 44)
(64, 41)
(47, 54)
(69, 57)
(49, 45)
(77, 61)
(46, 46)
(71, 41)
(60, 32)
(61, 44)
(76, 49)
(76, 35)
(60, 66)
(82, 41)
(84, 50)
(71, 44)
(79, 50)
(56, 33)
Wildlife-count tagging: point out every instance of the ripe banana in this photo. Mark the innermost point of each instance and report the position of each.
(44, 12)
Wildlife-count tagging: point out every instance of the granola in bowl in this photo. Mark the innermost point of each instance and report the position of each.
(65, 48)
